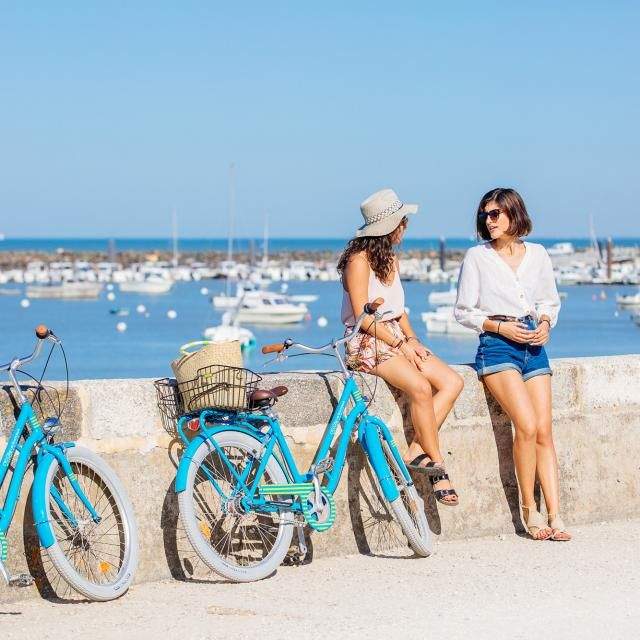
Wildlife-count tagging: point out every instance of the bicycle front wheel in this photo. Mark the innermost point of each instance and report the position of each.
(97, 559)
(240, 545)
(408, 507)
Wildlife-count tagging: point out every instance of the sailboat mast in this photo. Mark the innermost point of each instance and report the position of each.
(265, 242)
(174, 233)
(232, 213)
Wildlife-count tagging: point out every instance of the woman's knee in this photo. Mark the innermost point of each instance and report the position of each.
(420, 391)
(457, 384)
(527, 430)
(544, 435)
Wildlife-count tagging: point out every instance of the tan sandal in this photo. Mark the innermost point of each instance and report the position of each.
(534, 523)
(559, 531)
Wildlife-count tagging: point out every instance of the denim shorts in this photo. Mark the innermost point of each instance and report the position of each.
(497, 353)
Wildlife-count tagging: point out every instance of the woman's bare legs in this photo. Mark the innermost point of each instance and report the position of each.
(448, 385)
(403, 375)
(508, 388)
(539, 390)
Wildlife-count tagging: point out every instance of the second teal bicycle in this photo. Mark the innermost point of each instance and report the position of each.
(240, 492)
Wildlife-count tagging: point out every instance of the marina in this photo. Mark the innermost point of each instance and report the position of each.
(125, 313)
(588, 326)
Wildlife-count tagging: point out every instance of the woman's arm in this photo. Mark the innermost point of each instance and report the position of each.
(412, 339)
(547, 302)
(466, 309)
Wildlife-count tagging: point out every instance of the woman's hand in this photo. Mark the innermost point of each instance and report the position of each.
(420, 349)
(516, 331)
(414, 352)
(541, 334)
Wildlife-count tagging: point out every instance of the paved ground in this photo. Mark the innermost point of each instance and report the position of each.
(508, 587)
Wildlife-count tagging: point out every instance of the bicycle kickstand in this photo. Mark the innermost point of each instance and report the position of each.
(19, 580)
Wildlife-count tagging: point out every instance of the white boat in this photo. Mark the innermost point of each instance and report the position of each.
(303, 298)
(561, 249)
(443, 298)
(631, 300)
(7, 291)
(65, 290)
(229, 330)
(152, 285)
(265, 307)
(442, 320)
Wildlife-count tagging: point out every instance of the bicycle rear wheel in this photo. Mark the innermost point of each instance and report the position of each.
(408, 507)
(96, 559)
(240, 545)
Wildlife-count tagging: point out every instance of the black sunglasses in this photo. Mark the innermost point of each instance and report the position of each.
(494, 214)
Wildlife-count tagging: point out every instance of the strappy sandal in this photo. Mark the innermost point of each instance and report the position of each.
(431, 468)
(534, 522)
(559, 531)
(441, 494)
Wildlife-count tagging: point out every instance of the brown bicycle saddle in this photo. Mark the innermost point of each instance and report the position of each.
(264, 397)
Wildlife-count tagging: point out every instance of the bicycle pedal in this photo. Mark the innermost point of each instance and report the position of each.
(21, 580)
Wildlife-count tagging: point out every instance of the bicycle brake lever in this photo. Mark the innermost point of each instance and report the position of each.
(281, 357)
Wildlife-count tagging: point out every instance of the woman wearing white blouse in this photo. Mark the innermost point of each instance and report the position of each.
(507, 293)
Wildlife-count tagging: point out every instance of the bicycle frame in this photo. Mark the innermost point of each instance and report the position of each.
(35, 447)
(370, 429)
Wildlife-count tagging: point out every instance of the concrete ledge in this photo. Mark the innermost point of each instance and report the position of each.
(597, 431)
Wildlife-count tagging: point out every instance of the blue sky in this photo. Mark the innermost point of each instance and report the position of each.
(113, 114)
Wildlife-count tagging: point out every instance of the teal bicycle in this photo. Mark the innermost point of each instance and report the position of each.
(81, 511)
(240, 492)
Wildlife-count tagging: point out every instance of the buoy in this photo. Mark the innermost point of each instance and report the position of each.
(109, 287)
(24, 303)
(204, 291)
(121, 326)
(603, 295)
(616, 313)
(172, 314)
(322, 321)
(111, 296)
(307, 316)
(284, 287)
(141, 308)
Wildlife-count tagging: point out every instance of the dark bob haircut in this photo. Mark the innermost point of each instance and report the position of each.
(510, 203)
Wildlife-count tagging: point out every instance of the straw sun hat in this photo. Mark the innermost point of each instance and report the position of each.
(382, 213)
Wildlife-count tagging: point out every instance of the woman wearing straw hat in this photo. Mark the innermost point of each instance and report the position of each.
(390, 348)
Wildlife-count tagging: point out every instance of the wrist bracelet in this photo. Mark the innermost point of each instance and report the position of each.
(499, 323)
(398, 344)
(411, 338)
(547, 321)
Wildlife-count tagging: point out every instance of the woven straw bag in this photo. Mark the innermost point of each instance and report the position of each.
(186, 367)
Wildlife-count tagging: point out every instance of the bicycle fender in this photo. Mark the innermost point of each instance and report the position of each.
(46, 456)
(39, 500)
(183, 468)
(373, 448)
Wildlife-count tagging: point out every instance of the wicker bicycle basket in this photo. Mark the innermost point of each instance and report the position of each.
(218, 387)
(169, 403)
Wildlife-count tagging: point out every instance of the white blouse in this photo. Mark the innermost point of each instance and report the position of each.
(488, 286)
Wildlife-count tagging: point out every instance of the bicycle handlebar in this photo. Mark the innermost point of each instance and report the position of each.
(276, 347)
(42, 333)
(370, 309)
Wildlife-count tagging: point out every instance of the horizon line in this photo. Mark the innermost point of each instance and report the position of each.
(241, 238)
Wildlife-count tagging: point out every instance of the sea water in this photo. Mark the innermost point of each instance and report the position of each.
(588, 326)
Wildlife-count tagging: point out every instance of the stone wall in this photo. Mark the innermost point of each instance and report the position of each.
(597, 433)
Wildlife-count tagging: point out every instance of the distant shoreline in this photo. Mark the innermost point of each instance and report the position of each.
(245, 246)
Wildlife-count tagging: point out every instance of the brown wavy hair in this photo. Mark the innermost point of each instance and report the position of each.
(511, 203)
(379, 252)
